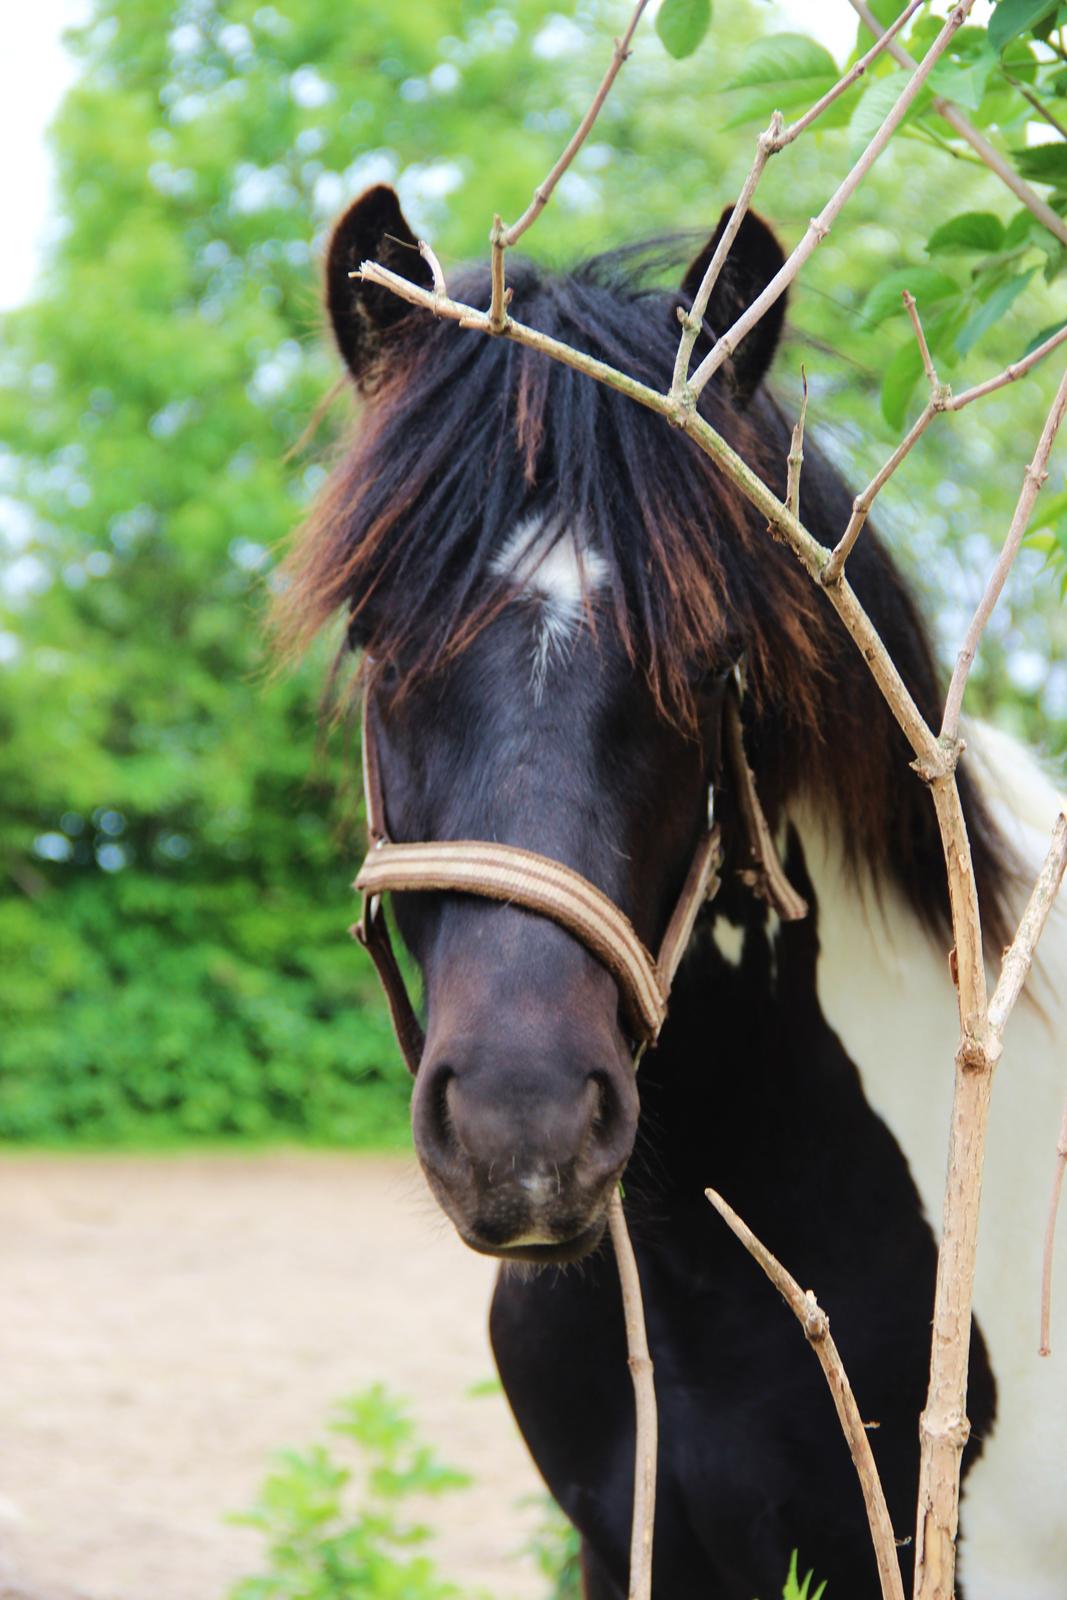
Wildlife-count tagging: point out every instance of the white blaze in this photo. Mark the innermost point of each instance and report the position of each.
(562, 571)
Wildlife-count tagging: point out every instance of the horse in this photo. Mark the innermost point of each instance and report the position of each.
(547, 589)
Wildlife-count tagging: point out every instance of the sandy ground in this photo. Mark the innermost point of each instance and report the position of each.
(166, 1323)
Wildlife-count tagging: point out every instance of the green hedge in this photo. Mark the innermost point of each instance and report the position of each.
(145, 1009)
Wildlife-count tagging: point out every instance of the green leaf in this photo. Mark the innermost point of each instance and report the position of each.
(992, 311)
(901, 376)
(971, 230)
(786, 58)
(681, 24)
(962, 82)
(929, 286)
(1018, 229)
(1045, 333)
(1013, 17)
(1044, 163)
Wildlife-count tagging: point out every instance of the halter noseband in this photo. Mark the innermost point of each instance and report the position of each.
(520, 877)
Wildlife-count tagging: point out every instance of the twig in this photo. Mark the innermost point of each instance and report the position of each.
(439, 285)
(941, 400)
(640, 1363)
(498, 300)
(543, 193)
(920, 338)
(1020, 953)
(820, 226)
(501, 238)
(950, 113)
(861, 506)
(1045, 1342)
(774, 137)
(1038, 105)
(795, 459)
(1033, 478)
(816, 1325)
(1018, 369)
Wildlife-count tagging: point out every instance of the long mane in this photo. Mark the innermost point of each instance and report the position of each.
(463, 437)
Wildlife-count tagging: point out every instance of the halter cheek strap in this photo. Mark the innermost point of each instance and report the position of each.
(538, 883)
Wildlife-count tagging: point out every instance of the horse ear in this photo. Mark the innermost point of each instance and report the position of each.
(372, 229)
(754, 258)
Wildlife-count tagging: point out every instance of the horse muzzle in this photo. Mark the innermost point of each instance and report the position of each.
(521, 1153)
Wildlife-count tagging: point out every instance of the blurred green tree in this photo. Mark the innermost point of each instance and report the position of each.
(171, 914)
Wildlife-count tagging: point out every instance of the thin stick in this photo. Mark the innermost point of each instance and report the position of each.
(820, 226)
(1020, 953)
(501, 238)
(924, 349)
(774, 137)
(950, 113)
(861, 506)
(816, 1325)
(498, 301)
(1045, 1341)
(543, 193)
(1018, 369)
(1033, 478)
(795, 459)
(640, 1363)
(439, 285)
(941, 399)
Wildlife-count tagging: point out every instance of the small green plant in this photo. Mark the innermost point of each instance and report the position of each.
(797, 1590)
(335, 1533)
(556, 1552)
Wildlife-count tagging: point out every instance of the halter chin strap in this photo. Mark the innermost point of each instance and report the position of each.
(542, 885)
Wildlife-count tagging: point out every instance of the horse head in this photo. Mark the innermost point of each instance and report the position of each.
(547, 588)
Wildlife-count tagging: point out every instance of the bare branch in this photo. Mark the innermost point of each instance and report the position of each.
(774, 137)
(795, 459)
(543, 193)
(863, 502)
(502, 238)
(693, 320)
(498, 299)
(939, 395)
(1045, 1344)
(640, 1363)
(941, 399)
(1033, 478)
(924, 349)
(1018, 369)
(1020, 953)
(950, 113)
(816, 1325)
(850, 77)
(439, 285)
(820, 226)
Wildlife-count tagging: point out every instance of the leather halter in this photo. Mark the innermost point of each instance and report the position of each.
(540, 884)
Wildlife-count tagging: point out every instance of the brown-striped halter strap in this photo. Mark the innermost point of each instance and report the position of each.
(538, 883)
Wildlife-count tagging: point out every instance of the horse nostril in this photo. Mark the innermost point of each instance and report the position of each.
(434, 1127)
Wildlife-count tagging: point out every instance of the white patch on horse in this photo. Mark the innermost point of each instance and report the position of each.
(561, 570)
(884, 987)
(729, 940)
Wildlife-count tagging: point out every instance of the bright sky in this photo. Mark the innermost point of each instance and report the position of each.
(35, 70)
